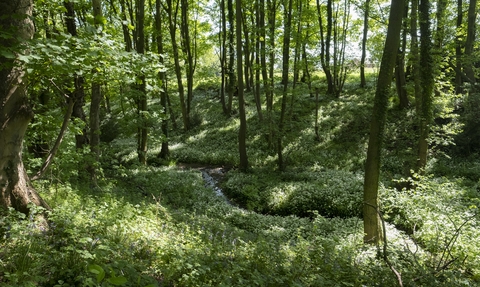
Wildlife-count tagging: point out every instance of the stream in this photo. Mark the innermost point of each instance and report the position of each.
(212, 183)
(211, 175)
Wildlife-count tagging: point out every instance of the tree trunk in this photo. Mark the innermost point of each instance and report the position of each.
(298, 46)
(58, 142)
(285, 68)
(96, 99)
(426, 82)
(263, 52)
(400, 79)
(231, 56)
(164, 151)
(142, 97)
(325, 44)
(79, 94)
(258, 35)
(242, 133)
(371, 220)
(470, 41)
(223, 56)
(458, 49)
(126, 31)
(15, 113)
(271, 8)
(363, 81)
(415, 57)
(247, 63)
(189, 53)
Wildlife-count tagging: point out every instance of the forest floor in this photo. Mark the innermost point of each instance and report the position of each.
(165, 224)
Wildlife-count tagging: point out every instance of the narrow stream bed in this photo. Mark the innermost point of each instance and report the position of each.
(211, 175)
(212, 183)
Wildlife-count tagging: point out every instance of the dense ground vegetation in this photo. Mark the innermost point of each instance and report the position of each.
(160, 225)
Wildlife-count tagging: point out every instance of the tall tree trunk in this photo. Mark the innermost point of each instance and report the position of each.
(470, 41)
(271, 8)
(325, 44)
(172, 13)
(231, 56)
(189, 52)
(306, 75)
(223, 56)
(371, 220)
(458, 49)
(126, 32)
(400, 79)
(366, 12)
(242, 133)
(142, 97)
(258, 37)
(96, 99)
(164, 151)
(246, 47)
(285, 69)
(415, 54)
(427, 82)
(263, 52)
(79, 94)
(298, 45)
(15, 113)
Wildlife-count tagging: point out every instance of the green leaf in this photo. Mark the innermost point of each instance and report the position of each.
(117, 281)
(7, 54)
(98, 270)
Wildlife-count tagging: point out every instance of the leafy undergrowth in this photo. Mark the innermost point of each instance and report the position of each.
(161, 226)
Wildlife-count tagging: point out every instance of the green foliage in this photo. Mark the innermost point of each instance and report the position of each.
(330, 193)
(442, 216)
(468, 139)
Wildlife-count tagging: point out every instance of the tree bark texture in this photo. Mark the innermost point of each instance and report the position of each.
(470, 41)
(366, 12)
(164, 151)
(242, 133)
(371, 220)
(285, 70)
(231, 56)
(458, 49)
(81, 139)
(96, 99)
(15, 113)
(223, 56)
(142, 97)
(427, 82)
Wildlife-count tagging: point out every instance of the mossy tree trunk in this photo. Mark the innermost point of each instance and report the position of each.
(15, 113)
(372, 224)
(242, 133)
(426, 82)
